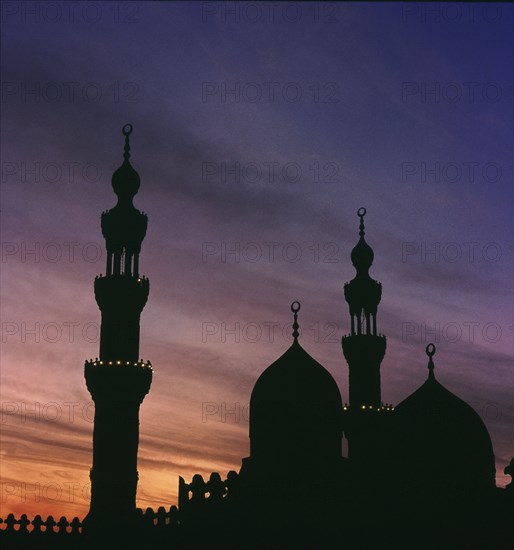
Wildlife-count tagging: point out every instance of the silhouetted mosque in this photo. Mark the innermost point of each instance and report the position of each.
(418, 475)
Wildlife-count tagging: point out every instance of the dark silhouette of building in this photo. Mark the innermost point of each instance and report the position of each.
(295, 467)
(296, 411)
(363, 350)
(118, 381)
(434, 430)
(418, 475)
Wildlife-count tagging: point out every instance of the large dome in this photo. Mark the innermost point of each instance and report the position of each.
(295, 410)
(440, 439)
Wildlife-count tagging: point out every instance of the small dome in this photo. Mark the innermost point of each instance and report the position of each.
(295, 410)
(442, 438)
(362, 255)
(125, 181)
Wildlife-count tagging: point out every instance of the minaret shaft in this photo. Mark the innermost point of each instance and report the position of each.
(118, 381)
(364, 350)
(114, 473)
(121, 299)
(364, 354)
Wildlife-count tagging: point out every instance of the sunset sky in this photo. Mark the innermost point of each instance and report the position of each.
(259, 130)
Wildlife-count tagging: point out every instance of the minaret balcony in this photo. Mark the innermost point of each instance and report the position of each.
(138, 364)
(117, 381)
(364, 350)
(368, 408)
(121, 292)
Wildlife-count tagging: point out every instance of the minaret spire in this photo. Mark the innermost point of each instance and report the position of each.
(361, 213)
(430, 350)
(127, 130)
(295, 308)
(118, 381)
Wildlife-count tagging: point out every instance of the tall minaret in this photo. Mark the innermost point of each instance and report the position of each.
(118, 381)
(364, 350)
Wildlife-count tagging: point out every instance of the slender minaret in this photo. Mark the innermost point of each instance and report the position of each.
(118, 381)
(364, 350)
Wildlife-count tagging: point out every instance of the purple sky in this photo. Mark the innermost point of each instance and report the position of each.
(273, 124)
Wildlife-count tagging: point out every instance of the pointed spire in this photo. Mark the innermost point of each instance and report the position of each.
(126, 131)
(430, 351)
(361, 213)
(295, 308)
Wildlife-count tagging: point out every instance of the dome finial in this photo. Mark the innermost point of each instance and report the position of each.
(430, 351)
(361, 213)
(126, 131)
(295, 308)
